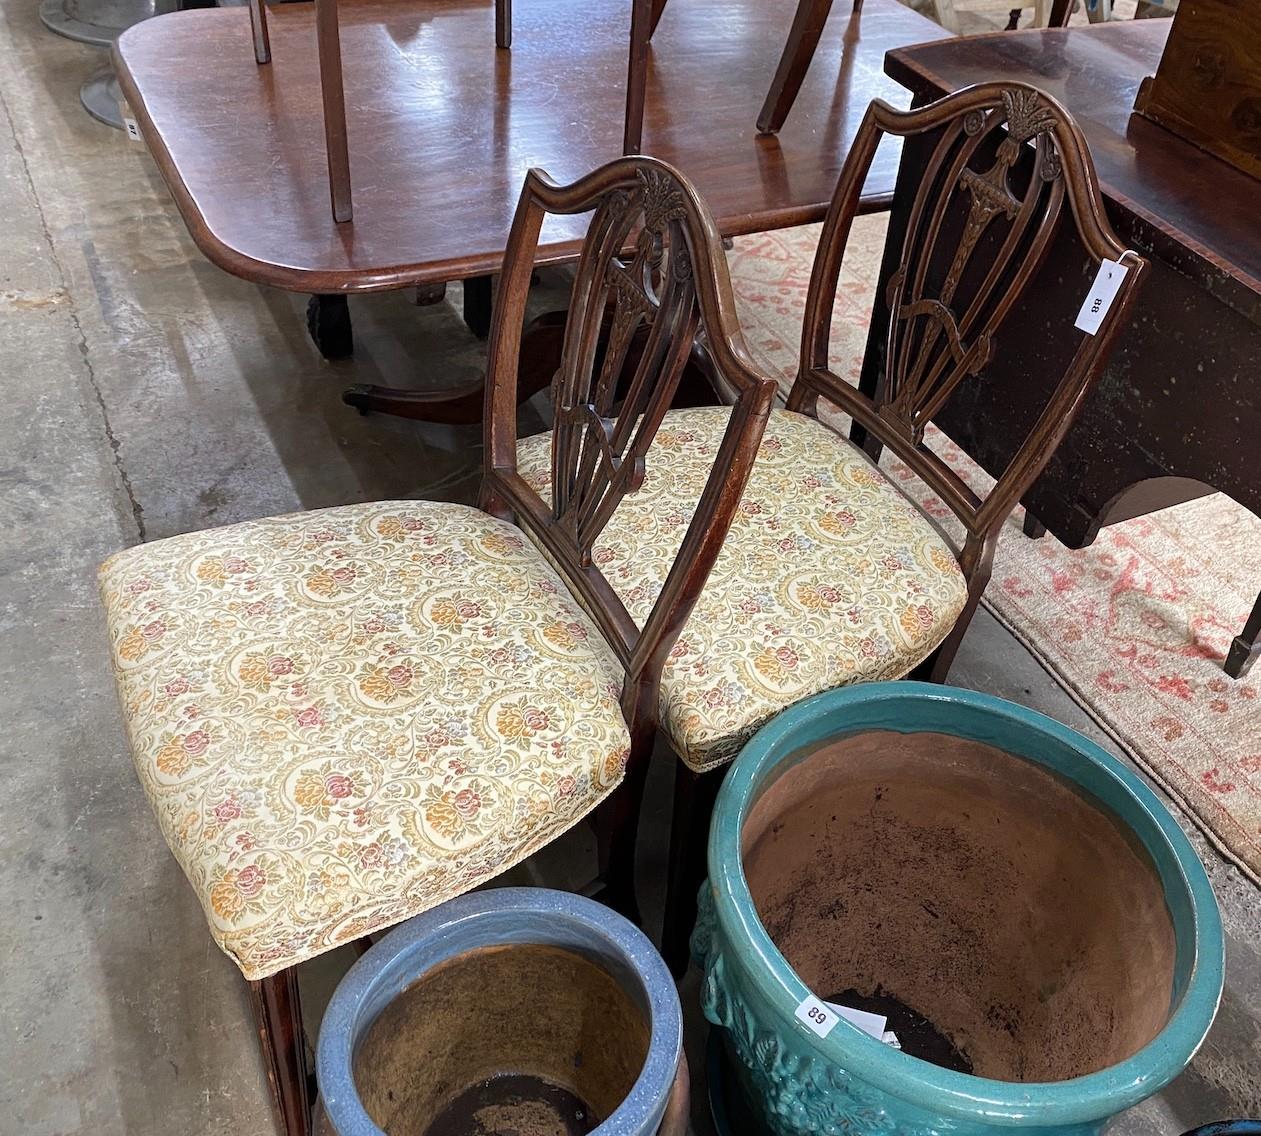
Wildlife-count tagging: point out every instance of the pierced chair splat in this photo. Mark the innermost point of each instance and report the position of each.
(344, 717)
(1010, 173)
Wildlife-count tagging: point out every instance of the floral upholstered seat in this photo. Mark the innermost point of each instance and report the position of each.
(344, 717)
(828, 575)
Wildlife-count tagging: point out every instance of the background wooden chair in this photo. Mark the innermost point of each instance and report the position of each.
(807, 26)
(342, 718)
(829, 574)
(644, 17)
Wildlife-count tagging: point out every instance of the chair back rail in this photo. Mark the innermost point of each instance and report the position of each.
(1006, 157)
(651, 264)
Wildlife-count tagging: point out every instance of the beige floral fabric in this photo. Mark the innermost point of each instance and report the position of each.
(344, 717)
(828, 576)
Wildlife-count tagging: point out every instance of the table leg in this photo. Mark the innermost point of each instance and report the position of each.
(1033, 528)
(461, 405)
(1246, 645)
(479, 293)
(541, 346)
(328, 321)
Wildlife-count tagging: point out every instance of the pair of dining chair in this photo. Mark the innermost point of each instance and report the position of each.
(344, 717)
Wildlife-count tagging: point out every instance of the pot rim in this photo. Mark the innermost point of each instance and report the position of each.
(351, 1013)
(1077, 1100)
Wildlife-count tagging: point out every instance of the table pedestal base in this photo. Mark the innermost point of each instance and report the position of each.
(101, 98)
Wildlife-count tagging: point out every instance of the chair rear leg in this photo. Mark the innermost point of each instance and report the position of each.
(278, 1016)
(694, 797)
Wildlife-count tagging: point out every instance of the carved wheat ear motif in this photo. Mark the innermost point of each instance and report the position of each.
(934, 345)
(1026, 114)
(663, 200)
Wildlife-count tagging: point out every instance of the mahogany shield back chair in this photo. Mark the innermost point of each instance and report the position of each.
(829, 574)
(344, 717)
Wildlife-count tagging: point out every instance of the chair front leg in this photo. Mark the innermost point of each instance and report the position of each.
(616, 824)
(694, 797)
(503, 23)
(278, 1016)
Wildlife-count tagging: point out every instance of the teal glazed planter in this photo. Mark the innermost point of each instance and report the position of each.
(986, 867)
(517, 1010)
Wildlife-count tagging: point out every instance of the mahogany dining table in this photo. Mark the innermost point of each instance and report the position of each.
(443, 126)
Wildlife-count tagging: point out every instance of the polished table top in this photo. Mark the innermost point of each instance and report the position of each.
(443, 126)
(1187, 206)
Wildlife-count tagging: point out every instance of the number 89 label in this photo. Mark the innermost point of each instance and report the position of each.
(816, 1016)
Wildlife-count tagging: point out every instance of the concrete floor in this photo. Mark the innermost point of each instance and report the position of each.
(148, 393)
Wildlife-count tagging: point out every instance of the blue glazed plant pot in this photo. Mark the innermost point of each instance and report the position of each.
(517, 1009)
(1036, 927)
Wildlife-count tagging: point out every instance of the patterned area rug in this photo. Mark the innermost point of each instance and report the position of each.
(1136, 626)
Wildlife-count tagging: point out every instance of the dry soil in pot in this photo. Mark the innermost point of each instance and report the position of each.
(974, 889)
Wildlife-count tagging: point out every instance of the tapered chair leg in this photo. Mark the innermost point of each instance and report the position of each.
(278, 1016)
(803, 39)
(694, 797)
(616, 824)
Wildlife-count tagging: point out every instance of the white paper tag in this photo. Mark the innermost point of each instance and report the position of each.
(817, 1016)
(891, 1038)
(1102, 293)
(133, 129)
(873, 1024)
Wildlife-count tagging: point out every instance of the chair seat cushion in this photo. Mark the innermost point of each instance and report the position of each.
(344, 717)
(828, 576)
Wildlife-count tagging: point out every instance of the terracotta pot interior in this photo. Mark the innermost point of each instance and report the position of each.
(970, 888)
(528, 1039)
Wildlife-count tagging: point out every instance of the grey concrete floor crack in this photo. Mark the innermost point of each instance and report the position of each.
(137, 510)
